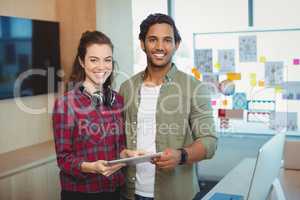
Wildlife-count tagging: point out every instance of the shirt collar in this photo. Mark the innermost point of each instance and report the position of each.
(169, 76)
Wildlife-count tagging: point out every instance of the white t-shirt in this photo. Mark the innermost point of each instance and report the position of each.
(146, 131)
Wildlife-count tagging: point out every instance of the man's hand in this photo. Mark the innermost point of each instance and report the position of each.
(168, 160)
(127, 153)
(101, 167)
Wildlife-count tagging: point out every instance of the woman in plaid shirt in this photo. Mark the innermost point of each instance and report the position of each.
(88, 125)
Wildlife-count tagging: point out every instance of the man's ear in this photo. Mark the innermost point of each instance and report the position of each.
(142, 43)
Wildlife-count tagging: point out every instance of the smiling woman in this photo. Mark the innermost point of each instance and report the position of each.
(88, 126)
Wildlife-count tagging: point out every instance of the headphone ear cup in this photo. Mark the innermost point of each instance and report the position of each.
(97, 99)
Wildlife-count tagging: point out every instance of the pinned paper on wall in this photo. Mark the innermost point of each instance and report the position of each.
(296, 61)
(233, 76)
(284, 121)
(291, 90)
(273, 73)
(247, 48)
(261, 83)
(258, 116)
(239, 101)
(226, 60)
(203, 60)
(262, 59)
(212, 81)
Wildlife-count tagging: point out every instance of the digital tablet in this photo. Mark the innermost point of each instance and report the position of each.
(136, 160)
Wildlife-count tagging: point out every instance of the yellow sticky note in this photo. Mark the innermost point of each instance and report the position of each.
(225, 102)
(253, 82)
(262, 59)
(252, 75)
(278, 89)
(261, 83)
(218, 66)
(233, 76)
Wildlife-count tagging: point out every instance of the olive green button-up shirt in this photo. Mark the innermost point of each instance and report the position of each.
(183, 115)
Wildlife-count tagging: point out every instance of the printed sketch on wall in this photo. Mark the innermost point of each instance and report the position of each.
(203, 60)
(226, 60)
(247, 48)
(273, 73)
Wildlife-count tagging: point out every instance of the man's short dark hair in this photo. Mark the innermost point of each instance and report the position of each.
(157, 18)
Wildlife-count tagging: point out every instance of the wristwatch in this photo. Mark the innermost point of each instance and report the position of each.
(184, 156)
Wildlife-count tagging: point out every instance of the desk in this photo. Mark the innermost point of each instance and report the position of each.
(237, 181)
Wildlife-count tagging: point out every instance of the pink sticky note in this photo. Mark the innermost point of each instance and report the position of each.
(213, 102)
(296, 61)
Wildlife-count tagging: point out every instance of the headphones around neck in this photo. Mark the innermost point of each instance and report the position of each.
(98, 98)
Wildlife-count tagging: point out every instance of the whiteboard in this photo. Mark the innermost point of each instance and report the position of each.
(272, 45)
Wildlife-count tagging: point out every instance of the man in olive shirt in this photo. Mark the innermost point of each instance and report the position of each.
(166, 110)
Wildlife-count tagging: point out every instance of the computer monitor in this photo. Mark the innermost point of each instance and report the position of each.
(267, 167)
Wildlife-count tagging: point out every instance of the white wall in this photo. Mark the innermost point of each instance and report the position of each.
(114, 18)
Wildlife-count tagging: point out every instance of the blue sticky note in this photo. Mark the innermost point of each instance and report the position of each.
(223, 196)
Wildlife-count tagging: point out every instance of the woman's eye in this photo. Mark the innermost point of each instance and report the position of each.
(93, 60)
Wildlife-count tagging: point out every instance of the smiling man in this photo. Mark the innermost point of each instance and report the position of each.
(166, 110)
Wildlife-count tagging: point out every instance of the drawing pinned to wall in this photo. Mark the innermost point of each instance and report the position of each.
(227, 87)
(273, 73)
(284, 121)
(291, 90)
(258, 116)
(239, 101)
(226, 60)
(203, 60)
(212, 81)
(247, 48)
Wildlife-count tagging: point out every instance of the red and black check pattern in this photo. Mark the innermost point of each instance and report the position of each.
(83, 132)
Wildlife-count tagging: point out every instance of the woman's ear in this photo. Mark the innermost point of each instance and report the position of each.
(80, 62)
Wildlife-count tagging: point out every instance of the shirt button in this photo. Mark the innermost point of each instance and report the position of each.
(133, 178)
(133, 141)
(134, 123)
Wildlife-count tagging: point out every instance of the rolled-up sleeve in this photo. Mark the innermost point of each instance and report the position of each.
(202, 121)
(63, 120)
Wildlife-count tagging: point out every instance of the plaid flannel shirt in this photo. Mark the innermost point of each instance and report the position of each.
(83, 132)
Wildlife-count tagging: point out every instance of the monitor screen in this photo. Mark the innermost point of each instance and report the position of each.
(29, 57)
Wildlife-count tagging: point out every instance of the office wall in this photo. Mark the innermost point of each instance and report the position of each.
(114, 18)
(20, 128)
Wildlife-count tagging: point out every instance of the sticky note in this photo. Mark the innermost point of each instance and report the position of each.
(278, 89)
(225, 102)
(296, 61)
(233, 76)
(253, 82)
(252, 75)
(194, 69)
(218, 66)
(196, 73)
(261, 83)
(262, 59)
(213, 102)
